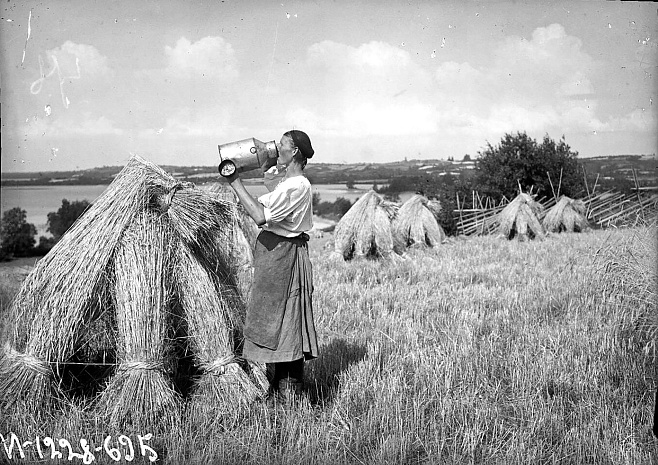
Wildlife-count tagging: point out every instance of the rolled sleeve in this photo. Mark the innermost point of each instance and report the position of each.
(268, 215)
(276, 205)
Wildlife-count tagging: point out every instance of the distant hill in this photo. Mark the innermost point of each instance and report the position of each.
(607, 167)
(622, 166)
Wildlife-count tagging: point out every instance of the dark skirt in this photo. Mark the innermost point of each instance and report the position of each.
(279, 322)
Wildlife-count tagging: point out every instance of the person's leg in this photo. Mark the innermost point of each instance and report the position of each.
(286, 378)
(271, 373)
(290, 377)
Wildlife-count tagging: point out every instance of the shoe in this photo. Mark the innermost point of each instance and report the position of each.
(290, 390)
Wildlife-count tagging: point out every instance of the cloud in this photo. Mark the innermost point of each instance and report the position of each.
(210, 57)
(79, 59)
(551, 65)
(375, 68)
(186, 122)
(450, 73)
(638, 120)
(69, 126)
(552, 62)
(377, 89)
(540, 85)
(309, 121)
(73, 70)
(97, 127)
(391, 119)
(373, 89)
(198, 76)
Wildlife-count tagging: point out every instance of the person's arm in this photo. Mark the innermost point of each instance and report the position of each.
(251, 205)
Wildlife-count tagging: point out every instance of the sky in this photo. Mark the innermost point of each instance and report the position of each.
(88, 83)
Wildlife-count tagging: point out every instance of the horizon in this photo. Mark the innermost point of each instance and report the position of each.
(411, 160)
(91, 83)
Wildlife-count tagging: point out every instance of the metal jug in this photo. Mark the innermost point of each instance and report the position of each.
(246, 155)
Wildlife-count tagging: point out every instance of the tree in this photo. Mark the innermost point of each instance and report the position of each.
(45, 244)
(323, 208)
(519, 159)
(59, 222)
(17, 235)
(315, 200)
(341, 206)
(467, 157)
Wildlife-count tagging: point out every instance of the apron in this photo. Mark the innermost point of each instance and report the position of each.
(279, 323)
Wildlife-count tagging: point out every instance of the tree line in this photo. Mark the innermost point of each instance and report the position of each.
(17, 236)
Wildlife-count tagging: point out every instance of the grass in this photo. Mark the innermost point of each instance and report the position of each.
(479, 351)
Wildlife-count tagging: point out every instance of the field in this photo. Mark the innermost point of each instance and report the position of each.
(480, 351)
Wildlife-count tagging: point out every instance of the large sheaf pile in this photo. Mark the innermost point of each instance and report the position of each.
(416, 224)
(567, 215)
(148, 276)
(365, 230)
(245, 236)
(520, 219)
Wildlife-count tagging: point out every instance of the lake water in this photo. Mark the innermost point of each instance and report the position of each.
(38, 201)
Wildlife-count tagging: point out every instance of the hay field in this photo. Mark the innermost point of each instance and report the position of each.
(480, 351)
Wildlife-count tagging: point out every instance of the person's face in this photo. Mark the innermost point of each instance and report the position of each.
(287, 150)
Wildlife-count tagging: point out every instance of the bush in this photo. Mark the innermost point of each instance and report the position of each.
(331, 209)
(45, 244)
(17, 235)
(446, 218)
(519, 159)
(341, 206)
(59, 222)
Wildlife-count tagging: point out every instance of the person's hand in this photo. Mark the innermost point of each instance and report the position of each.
(269, 163)
(232, 178)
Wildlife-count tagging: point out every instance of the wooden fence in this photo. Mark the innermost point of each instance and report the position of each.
(604, 209)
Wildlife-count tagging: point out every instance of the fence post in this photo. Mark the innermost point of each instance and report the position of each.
(639, 199)
(461, 218)
(551, 182)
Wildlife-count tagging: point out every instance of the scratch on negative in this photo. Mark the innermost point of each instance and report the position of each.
(29, 31)
(276, 35)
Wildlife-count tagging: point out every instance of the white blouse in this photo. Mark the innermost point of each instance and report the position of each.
(289, 207)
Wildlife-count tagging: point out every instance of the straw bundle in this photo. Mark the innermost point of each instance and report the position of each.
(416, 224)
(62, 293)
(219, 190)
(519, 219)
(140, 392)
(28, 379)
(247, 225)
(365, 230)
(81, 281)
(224, 386)
(244, 238)
(566, 215)
(202, 222)
(244, 241)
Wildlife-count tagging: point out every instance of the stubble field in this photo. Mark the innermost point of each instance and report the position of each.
(480, 351)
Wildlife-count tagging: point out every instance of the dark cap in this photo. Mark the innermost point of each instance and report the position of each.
(302, 142)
